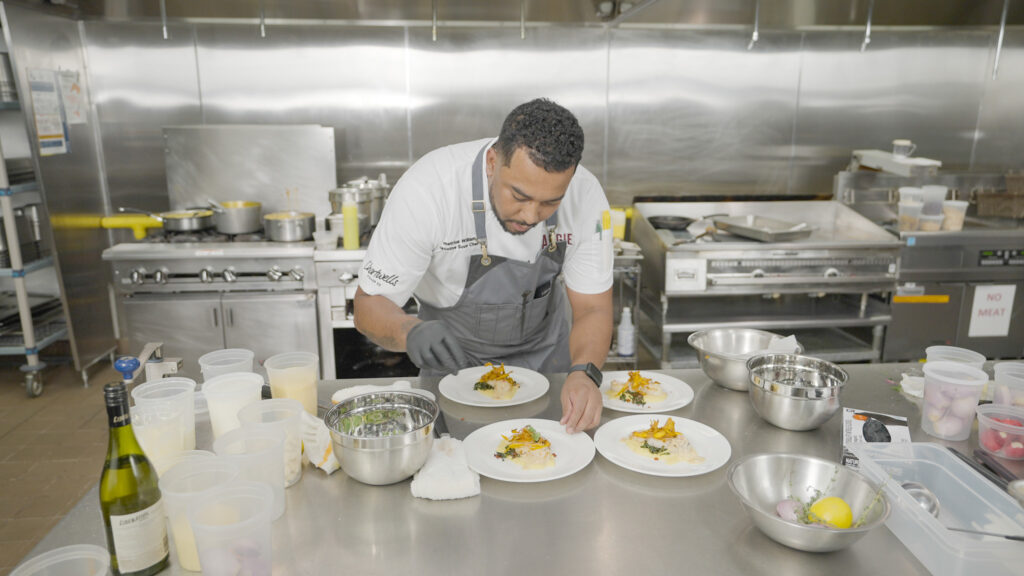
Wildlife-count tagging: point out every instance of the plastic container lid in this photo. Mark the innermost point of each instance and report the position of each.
(954, 373)
(75, 560)
(1009, 369)
(954, 354)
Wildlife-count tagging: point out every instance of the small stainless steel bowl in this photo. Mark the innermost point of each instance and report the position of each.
(382, 437)
(724, 353)
(794, 392)
(761, 481)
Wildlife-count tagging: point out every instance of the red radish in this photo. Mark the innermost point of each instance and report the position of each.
(1014, 449)
(1009, 421)
(992, 440)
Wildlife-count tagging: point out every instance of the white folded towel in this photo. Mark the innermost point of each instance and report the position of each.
(316, 444)
(400, 385)
(445, 475)
(787, 345)
(912, 385)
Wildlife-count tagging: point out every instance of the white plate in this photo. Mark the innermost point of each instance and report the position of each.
(708, 442)
(572, 453)
(459, 387)
(679, 393)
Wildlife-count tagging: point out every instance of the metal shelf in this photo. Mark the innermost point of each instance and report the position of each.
(46, 333)
(39, 264)
(830, 344)
(21, 188)
(690, 315)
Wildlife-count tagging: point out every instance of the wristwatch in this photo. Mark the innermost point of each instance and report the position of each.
(592, 372)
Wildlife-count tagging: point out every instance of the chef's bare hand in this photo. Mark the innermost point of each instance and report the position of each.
(581, 403)
(432, 345)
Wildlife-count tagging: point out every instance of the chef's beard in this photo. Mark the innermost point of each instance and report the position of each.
(504, 222)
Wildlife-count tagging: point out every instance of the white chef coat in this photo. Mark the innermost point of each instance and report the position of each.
(426, 234)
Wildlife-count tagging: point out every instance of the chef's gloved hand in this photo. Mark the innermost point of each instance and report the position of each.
(431, 345)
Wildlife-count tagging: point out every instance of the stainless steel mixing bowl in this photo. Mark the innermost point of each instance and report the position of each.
(794, 392)
(382, 437)
(761, 481)
(724, 353)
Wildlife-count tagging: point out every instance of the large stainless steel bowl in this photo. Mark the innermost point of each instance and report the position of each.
(382, 437)
(795, 392)
(761, 481)
(724, 353)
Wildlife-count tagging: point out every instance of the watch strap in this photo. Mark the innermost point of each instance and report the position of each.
(590, 369)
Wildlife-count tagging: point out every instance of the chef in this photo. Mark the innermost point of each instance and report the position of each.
(479, 233)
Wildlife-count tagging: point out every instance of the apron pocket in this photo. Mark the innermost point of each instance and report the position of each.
(498, 323)
(535, 312)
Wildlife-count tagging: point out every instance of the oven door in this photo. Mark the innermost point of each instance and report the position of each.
(189, 325)
(269, 324)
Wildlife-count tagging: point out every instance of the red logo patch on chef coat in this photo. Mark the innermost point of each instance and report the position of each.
(567, 238)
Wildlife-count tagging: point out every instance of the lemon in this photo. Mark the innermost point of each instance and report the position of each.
(833, 511)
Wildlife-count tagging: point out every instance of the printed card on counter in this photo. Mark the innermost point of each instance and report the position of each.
(861, 426)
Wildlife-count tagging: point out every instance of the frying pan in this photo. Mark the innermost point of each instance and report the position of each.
(179, 220)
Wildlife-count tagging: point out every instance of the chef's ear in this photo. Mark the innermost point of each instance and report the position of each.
(492, 158)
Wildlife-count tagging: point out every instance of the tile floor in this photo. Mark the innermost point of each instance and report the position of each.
(51, 453)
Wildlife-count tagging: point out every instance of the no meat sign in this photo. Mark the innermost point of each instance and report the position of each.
(990, 312)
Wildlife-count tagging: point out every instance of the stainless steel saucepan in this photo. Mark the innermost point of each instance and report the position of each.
(179, 220)
(288, 226)
(237, 216)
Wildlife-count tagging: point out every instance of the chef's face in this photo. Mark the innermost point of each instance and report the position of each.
(523, 194)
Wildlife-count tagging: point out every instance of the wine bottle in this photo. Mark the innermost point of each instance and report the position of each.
(133, 513)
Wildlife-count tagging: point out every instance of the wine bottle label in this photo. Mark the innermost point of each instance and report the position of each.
(140, 539)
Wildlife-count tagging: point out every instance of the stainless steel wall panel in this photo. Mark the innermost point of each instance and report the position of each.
(696, 112)
(351, 79)
(70, 182)
(281, 166)
(1000, 142)
(462, 86)
(921, 85)
(142, 83)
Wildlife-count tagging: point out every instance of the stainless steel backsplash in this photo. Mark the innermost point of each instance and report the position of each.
(666, 110)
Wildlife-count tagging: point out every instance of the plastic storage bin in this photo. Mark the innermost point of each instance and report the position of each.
(967, 499)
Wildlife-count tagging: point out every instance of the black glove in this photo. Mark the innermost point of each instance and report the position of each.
(432, 346)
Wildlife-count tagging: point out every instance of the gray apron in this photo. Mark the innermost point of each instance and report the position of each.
(510, 311)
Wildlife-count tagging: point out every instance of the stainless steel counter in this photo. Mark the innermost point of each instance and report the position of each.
(602, 520)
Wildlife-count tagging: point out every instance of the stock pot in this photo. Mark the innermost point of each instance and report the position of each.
(288, 226)
(237, 216)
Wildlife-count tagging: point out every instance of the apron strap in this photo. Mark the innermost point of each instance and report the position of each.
(480, 211)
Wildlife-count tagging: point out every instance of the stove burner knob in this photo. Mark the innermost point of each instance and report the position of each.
(229, 275)
(160, 276)
(138, 276)
(832, 273)
(274, 274)
(297, 273)
(205, 276)
(758, 273)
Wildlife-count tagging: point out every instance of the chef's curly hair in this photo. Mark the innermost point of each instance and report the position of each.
(550, 134)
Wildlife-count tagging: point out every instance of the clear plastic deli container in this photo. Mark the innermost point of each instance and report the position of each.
(967, 500)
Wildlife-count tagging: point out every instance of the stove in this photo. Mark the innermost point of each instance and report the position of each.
(204, 292)
(177, 265)
(829, 288)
